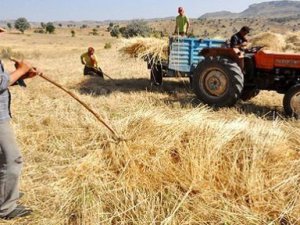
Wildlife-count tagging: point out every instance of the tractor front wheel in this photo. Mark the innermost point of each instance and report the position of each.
(291, 101)
(218, 82)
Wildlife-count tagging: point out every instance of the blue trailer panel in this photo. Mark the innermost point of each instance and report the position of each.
(184, 52)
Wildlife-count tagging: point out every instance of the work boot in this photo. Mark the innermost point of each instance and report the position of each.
(19, 211)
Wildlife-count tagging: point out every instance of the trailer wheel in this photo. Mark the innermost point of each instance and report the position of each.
(156, 75)
(291, 102)
(218, 82)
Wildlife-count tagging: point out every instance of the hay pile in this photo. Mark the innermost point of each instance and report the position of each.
(278, 42)
(271, 41)
(180, 172)
(151, 49)
(293, 42)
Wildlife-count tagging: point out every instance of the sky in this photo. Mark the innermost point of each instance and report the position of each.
(78, 10)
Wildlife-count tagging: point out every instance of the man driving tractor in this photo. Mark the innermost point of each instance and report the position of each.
(239, 39)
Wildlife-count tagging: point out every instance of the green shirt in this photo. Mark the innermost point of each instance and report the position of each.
(88, 61)
(182, 22)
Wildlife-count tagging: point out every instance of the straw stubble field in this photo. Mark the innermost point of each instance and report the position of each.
(181, 163)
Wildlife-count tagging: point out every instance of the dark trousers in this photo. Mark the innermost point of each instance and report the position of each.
(92, 71)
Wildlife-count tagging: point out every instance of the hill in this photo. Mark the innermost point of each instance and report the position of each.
(273, 9)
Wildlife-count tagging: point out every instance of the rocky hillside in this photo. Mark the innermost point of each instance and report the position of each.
(273, 9)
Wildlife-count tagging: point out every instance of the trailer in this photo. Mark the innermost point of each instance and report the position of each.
(184, 56)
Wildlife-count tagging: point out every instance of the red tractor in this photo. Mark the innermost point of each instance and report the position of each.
(227, 75)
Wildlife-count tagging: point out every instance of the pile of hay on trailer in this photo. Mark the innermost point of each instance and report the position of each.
(293, 42)
(277, 42)
(151, 49)
(270, 41)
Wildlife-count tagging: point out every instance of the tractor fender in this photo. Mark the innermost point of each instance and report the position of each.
(234, 54)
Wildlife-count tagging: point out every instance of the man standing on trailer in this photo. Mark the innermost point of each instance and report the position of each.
(182, 23)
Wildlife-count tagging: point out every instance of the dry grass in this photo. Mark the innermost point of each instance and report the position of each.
(289, 42)
(271, 41)
(181, 164)
(151, 49)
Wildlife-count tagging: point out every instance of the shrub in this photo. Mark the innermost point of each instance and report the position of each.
(94, 32)
(43, 25)
(39, 31)
(110, 27)
(107, 46)
(115, 31)
(73, 33)
(50, 28)
(136, 28)
(9, 25)
(22, 24)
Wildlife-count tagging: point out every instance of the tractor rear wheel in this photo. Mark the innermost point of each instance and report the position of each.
(291, 101)
(218, 82)
(156, 75)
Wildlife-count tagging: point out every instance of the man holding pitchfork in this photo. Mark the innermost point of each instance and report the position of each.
(10, 156)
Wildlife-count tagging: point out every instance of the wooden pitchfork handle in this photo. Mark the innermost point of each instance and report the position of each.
(98, 117)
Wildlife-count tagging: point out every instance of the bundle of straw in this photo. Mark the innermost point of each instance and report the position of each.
(150, 49)
(293, 42)
(271, 41)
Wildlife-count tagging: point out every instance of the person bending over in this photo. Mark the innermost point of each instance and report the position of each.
(90, 62)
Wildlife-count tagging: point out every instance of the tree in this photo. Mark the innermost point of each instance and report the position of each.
(22, 24)
(43, 25)
(110, 27)
(9, 25)
(115, 31)
(50, 28)
(60, 25)
(136, 28)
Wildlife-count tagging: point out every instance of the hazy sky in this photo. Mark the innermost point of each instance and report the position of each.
(51, 10)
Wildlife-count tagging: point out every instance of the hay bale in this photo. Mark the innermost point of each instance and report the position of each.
(152, 49)
(293, 42)
(271, 41)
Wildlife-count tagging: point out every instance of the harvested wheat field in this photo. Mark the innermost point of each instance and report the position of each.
(177, 162)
